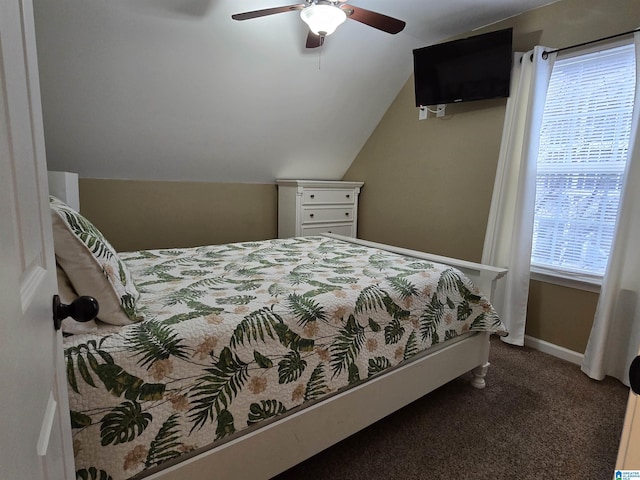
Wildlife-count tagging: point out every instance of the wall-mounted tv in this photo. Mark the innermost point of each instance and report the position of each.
(473, 68)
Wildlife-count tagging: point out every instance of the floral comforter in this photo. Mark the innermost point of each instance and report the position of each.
(240, 333)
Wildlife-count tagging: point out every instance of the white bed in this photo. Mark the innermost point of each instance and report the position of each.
(283, 444)
(124, 399)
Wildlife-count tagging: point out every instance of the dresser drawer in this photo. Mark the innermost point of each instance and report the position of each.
(311, 196)
(346, 230)
(340, 214)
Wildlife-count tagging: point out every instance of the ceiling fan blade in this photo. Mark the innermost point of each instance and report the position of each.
(266, 11)
(373, 19)
(313, 40)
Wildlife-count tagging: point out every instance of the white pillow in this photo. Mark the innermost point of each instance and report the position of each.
(93, 266)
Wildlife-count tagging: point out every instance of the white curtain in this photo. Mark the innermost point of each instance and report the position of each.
(615, 336)
(510, 225)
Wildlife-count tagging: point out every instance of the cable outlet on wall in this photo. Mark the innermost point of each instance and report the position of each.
(423, 113)
(440, 110)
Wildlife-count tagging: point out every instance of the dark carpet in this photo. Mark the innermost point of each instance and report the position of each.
(538, 418)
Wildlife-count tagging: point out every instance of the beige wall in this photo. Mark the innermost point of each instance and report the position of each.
(428, 183)
(137, 215)
(560, 315)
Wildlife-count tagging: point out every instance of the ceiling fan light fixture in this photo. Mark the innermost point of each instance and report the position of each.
(323, 19)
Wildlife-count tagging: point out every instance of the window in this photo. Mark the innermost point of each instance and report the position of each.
(581, 162)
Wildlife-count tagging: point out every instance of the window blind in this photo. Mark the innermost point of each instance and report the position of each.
(583, 150)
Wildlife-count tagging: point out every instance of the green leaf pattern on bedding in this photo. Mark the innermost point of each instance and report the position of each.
(235, 335)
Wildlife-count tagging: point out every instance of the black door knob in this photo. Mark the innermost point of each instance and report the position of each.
(634, 375)
(82, 309)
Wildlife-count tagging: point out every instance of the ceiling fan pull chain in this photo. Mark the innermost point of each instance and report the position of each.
(320, 52)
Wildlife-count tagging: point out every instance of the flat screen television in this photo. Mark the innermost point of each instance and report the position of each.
(473, 68)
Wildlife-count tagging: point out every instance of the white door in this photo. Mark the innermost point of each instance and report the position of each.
(629, 451)
(34, 426)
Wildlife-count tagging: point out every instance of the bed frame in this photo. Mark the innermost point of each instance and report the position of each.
(270, 450)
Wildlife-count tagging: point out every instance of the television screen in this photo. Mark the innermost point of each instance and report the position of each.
(473, 68)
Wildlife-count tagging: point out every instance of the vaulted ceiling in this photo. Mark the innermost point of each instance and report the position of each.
(177, 90)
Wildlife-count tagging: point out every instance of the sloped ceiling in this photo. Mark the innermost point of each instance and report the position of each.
(177, 90)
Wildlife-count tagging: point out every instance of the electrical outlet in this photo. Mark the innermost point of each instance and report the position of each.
(423, 114)
(440, 110)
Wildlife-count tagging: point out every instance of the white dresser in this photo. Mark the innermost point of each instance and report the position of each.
(64, 185)
(311, 207)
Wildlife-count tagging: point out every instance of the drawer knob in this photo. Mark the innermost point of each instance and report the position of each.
(348, 196)
(346, 213)
(312, 196)
(311, 215)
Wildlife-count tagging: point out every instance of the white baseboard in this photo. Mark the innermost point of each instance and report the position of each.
(555, 350)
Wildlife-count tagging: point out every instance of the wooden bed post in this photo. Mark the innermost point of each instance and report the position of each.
(478, 376)
(480, 372)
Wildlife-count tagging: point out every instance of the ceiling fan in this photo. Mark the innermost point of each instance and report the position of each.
(324, 16)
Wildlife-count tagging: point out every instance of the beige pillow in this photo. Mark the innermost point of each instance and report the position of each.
(93, 266)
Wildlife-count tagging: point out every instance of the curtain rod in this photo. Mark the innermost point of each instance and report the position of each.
(545, 54)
